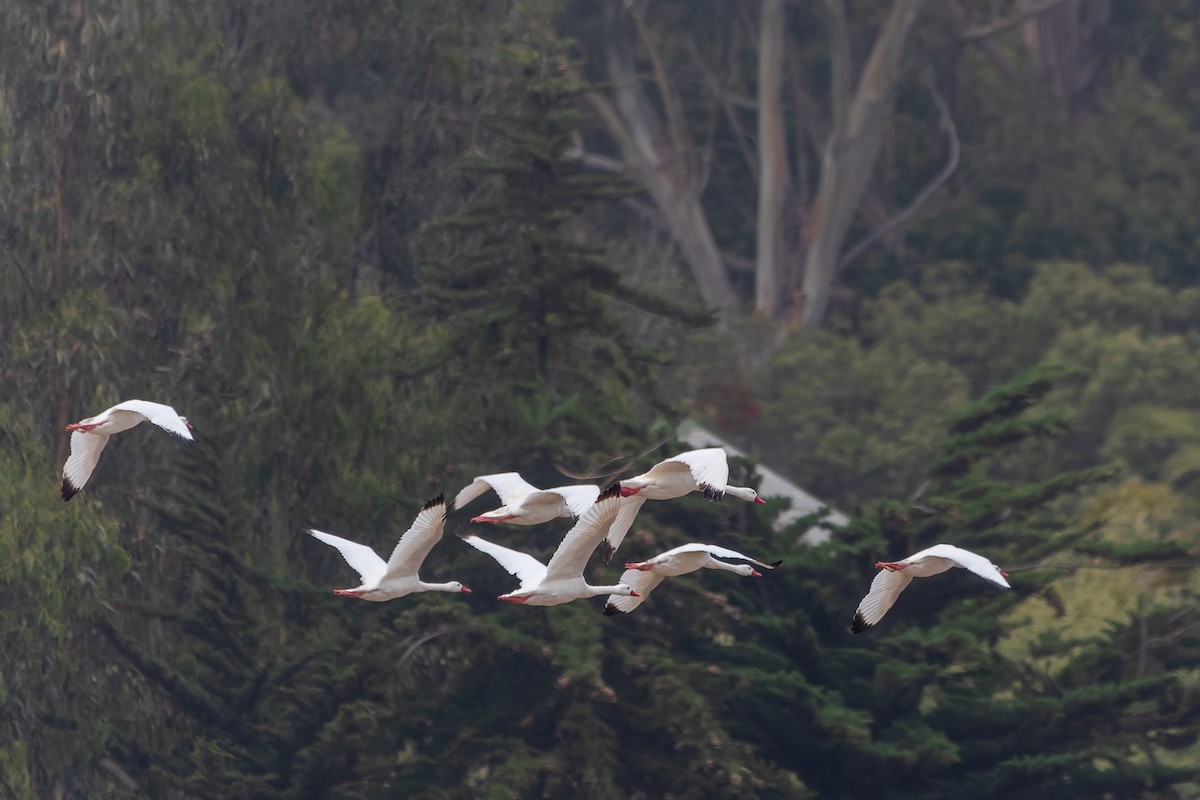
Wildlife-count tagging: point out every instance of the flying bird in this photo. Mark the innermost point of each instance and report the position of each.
(704, 470)
(90, 435)
(895, 575)
(644, 576)
(397, 576)
(524, 503)
(560, 581)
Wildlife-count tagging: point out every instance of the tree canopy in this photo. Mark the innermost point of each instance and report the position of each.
(934, 262)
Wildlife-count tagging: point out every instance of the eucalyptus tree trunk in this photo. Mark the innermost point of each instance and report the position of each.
(659, 154)
(773, 163)
(853, 145)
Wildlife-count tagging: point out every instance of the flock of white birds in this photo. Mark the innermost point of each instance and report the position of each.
(602, 520)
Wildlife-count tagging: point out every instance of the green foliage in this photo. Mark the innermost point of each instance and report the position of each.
(873, 413)
(523, 296)
(217, 209)
(58, 567)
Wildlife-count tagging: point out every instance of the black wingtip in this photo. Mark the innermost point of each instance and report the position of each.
(610, 610)
(437, 501)
(68, 491)
(775, 564)
(606, 551)
(712, 492)
(464, 534)
(859, 625)
(614, 490)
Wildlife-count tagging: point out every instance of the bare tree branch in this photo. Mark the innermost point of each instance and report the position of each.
(669, 165)
(840, 65)
(1001, 61)
(977, 32)
(681, 142)
(851, 150)
(617, 128)
(946, 123)
(728, 102)
(576, 152)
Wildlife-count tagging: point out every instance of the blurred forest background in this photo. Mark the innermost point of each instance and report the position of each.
(935, 260)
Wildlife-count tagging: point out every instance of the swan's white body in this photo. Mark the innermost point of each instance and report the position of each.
(397, 576)
(524, 503)
(644, 576)
(560, 581)
(90, 435)
(894, 576)
(704, 470)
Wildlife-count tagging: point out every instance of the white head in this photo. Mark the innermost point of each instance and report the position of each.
(745, 570)
(624, 590)
(454, 586)
(745, 493)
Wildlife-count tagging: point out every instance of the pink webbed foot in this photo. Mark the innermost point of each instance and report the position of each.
(628, 492)
(890, 566)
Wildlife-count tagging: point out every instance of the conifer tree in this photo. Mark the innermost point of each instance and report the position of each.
(520, 288)
(939, 712)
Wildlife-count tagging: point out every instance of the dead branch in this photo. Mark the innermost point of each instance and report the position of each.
(977, 32)
(946, 123)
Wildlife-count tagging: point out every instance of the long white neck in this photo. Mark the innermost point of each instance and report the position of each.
(596, 591)
(716, 563)
(440, 587)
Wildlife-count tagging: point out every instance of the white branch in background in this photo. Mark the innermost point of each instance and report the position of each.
(946, 123)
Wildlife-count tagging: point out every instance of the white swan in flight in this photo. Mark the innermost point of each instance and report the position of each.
(560, 581)
(90, 435)
(524, 503)
(896, 575)
(644, 576)
(397, 576)
(704, 470)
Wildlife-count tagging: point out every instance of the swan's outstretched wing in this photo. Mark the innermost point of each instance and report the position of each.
(976, 563)
(886, 587)
(510, 487)
(630, 506)
(577, 546)
(578, 498)
(161, 415)
(85, 452)
(420, 538)
(362, 559)
(529, 571)
(642, 582)
(710, 470)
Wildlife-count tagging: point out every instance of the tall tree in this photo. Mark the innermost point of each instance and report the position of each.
(667, 133)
